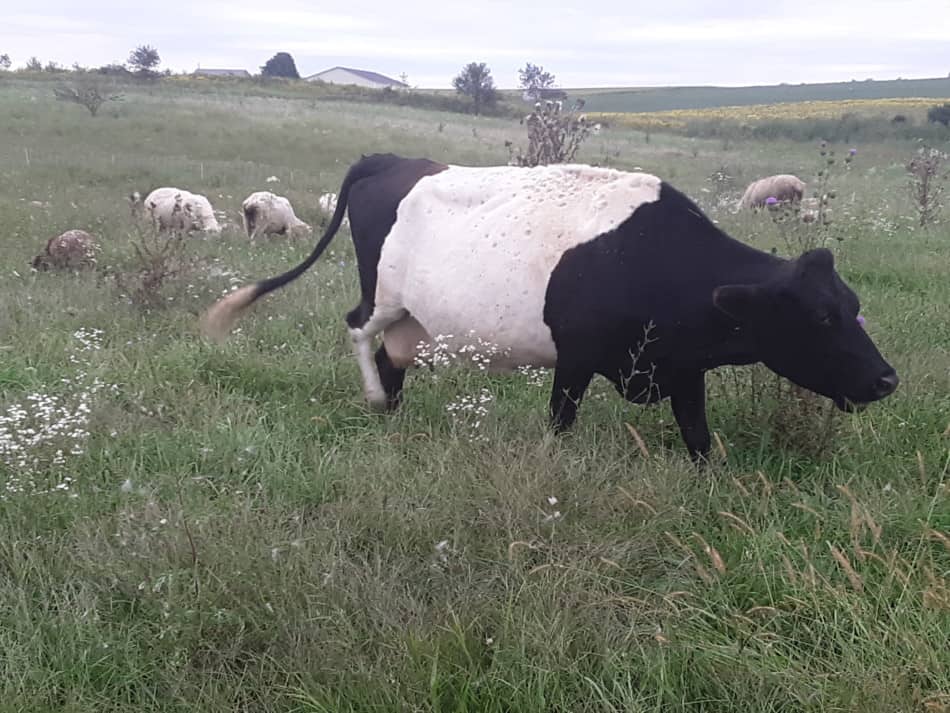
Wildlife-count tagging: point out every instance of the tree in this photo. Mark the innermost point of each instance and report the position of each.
(533, 78)
(475, 81)
(280, 65)
(52, 67)
(5, 61)
(143, 60)
(34, 65)
(86, 93)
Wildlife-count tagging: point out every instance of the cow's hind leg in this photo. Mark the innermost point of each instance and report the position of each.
(366, 321)
(391, 377)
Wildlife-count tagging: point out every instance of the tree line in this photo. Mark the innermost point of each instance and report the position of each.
(474, 81)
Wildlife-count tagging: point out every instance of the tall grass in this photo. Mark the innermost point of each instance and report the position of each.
(233, 530)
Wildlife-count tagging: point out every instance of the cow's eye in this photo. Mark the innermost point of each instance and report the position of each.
(825, 319)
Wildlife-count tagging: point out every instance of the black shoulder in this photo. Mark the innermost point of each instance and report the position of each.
(672, 197)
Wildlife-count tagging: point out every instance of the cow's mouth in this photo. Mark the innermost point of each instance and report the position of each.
(848, 406)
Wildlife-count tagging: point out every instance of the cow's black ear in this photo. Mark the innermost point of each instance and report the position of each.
(740, 302)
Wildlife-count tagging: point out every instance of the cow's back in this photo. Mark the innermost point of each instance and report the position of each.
(472, 250)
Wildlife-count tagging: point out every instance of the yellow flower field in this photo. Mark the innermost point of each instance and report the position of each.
(678, 118)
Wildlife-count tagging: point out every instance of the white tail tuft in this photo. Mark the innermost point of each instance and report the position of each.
(221, 317)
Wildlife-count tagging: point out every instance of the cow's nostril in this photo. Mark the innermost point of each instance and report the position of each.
(887, 384)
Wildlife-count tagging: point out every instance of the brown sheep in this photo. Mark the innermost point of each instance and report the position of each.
(74, 249)
(784, 187)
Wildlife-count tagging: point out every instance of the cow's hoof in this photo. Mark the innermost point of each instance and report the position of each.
(378, 403)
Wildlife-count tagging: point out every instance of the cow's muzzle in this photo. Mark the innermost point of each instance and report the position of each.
(883, 387)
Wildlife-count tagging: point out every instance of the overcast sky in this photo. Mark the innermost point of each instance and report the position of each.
(585, 44)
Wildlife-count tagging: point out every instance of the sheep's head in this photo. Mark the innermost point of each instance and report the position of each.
(135, 203)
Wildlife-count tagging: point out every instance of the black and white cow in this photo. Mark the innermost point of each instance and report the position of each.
(569, 267)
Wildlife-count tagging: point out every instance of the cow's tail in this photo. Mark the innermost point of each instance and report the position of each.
(221, 317)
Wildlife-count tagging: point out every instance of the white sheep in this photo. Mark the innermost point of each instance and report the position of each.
(267, 214)
(177, 209)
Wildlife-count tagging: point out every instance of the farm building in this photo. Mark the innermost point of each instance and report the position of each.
(359, 77)
(242, 73)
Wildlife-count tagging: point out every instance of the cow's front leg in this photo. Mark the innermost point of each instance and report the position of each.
(688, 395)
(570, 383)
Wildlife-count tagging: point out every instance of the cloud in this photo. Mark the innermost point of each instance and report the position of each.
(614, 43)
(769, 30)
(369, 46)
(26, 22)
(261, 20)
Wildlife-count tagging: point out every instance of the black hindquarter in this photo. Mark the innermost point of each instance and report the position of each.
(373, 203)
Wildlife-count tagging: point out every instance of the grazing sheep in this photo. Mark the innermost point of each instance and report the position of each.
(177, 209)
(266, 214)
(784, 187)
(327, 203)
(74, 249)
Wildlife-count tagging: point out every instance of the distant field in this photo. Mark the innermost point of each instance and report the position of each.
(669, 98)
(911, 108)
(191, 528)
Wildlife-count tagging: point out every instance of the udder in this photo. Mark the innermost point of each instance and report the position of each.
(404, 339)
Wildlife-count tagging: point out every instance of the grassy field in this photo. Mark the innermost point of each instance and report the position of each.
(913, 110)
(189, 527)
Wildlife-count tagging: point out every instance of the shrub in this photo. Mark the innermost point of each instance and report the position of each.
(926, 177)
(87, 94)
(799, 419)
(938, 114)
(157, 258)
(115, 70)
(809, 224)
(554, 136)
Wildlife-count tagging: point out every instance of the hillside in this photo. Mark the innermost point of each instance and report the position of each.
(669, 98)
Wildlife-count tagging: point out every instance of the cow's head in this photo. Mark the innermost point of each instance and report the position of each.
(804, 325)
